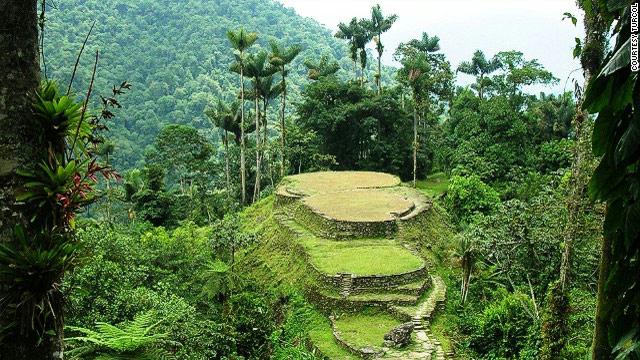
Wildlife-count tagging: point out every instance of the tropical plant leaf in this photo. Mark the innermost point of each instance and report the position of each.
(619, 60)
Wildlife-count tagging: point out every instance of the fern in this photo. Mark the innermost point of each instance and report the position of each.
(135, 340)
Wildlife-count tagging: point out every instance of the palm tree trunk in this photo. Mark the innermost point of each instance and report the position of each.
(415, 141)
(283, 134)
(242, 144)
(265, 141)
(480, 86)
(355, 68)
(379, 74)
(19, 147)
(379, 65)
(256, 187)
(226, 160)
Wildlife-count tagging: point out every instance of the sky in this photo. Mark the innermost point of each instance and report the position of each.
(464, 26)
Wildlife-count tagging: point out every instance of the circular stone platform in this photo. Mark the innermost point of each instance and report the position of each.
(334, 181)
(360, 205)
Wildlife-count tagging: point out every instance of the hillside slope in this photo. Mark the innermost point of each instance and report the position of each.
(174, 53)
(365, 277)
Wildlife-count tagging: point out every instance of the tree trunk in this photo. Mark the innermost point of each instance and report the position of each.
(415, 142)
(555, 328)
(601, 348)
(380, 64)
(226, 160)
(256, 187)
(243, 184)
(19, 80)
(19, 146)
(283, 134)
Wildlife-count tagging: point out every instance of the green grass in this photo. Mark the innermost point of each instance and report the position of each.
(366, 329)
(360, 257)
(333, 181)
(360, 205)
(321, 336)
(434, 185)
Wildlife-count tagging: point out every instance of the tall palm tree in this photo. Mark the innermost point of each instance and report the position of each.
(479, 66)
(225, 118)
(347, 32)
(258, 68)
(240, 41)
(426, 44)
(322, 68)
(417, 56)
(362, 36)
(268, 91)
(280, 58)
(380, 25)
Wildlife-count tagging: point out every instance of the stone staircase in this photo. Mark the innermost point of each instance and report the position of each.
(428, 347)
(346, 284)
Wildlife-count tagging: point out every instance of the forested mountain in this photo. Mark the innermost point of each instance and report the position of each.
(175, 54)
(269, 191)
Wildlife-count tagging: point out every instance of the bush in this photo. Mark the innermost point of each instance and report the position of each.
(134, 272)
(504, 329)
(468, 196)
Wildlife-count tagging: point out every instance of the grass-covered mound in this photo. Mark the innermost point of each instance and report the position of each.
(360, 205)
(359, 280)
(334, 181)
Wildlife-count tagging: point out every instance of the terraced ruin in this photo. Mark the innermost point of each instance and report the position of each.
(370, 280)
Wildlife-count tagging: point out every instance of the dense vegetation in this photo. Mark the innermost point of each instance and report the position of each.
(176, 56)
(146, 227)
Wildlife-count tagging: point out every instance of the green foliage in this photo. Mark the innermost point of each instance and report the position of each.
(615, 95)
(228, 237)
(554, 155)
(468, 196)
(151, 202)
(31, 271)
(501, 145)
(59, 117)
(518, 72)
(322, 68)
(480, 67)
(136, 340)
(35, 259)
(503, 330)
(176, 79)
(136, 270)
(303, 150)
(515, 254)
(183, 152)
(361, 130)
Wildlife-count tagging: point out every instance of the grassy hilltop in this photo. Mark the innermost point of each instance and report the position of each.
(364, 250)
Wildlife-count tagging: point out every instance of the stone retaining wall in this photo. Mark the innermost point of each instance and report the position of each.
(284, 198)
(395, 290)
(375, 281)
(343, 230)
(417, 215)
